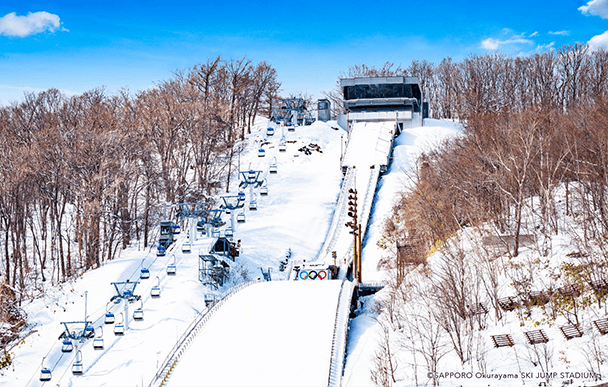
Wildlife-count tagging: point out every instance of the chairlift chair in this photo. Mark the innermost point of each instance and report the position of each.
(77, 367)
(109, 319)
(186, 248)
(138, 315)
(98, 340)
(67, 345)
(228, 232)
(264, 190)
(89, 331)
(253, 205)
(45, 375)
(144, 274)
(172, 268)
(98, 343)
(240, 218)
(200, 225)
(282, 147)
(155, 291)
(273, 168)
(291, 128)
(119, 328)
(176, 229)
(270, 131)
(161, 251)
(261, 152)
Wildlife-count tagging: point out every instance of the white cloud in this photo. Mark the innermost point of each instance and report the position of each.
(545, 47)
(533, 34)
(598, 42)
(493, 44)
(596, 7)
(563, 33)
(490, 44)
(33, 23)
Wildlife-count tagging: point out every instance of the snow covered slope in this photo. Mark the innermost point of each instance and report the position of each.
(270, 334)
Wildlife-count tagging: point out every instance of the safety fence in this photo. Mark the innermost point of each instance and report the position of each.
(162, 376)
(338, 345)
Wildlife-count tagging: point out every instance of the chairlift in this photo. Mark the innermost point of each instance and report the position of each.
(155, 291)
(138, 315)
(176, 229)
(273, 168)
(161, 251)
(261, 152)
(119, 328)
(144, 274)
(291, 128)
(186, 247)
(228, 232)
(215, 233)
(45, 373)
(270, 131)
(253, 205)
(77, 367)
(67, 345)
(200, 225)
(264, 190)
(240, 218)
(98, 341)
(282, 147)
(172, 268)
(89, 331)
(109, 319)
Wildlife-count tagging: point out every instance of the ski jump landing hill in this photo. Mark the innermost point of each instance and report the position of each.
(265, 336)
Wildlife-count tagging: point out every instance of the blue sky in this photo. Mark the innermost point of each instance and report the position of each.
(76, 46)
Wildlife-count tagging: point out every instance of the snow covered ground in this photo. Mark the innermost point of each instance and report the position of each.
(295, 215)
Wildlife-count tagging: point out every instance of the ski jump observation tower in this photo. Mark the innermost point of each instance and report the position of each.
(397, 99)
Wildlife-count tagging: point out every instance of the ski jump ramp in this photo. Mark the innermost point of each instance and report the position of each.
(291, 333)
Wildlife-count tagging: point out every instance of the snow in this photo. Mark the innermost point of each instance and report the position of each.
(271, 333)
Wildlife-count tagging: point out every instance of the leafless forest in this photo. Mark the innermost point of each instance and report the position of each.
(84, 176)
(536, 143)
